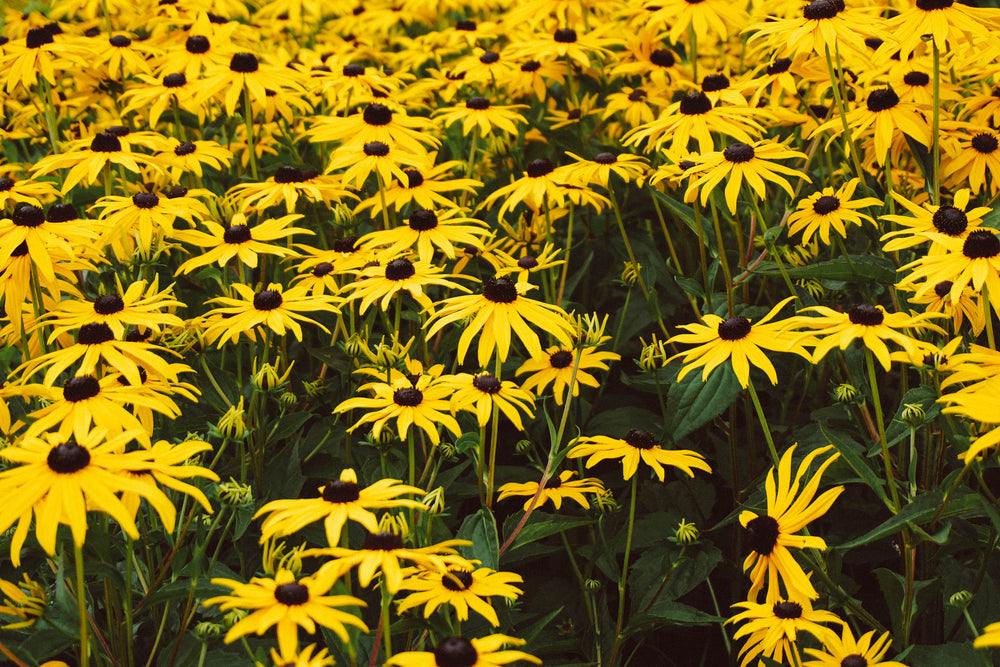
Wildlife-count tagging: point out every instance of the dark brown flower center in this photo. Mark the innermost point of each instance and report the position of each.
(919, 79)
(882, 99)
(943, 288)
(27, 215)
(500, 290)
(984, 143)
(457, 580)
(408, 397)
(62, 213)
(291, 594)
(286, 174)
(931, 5)
(867, 315)
(787, 609)
(185, 148)
(527, 263)
(345, 244)
(197, 44)
(735, 328)
(455, 652)
(826, 204)
(561, 359)
(553, 482)
(486, 383)
(376, 149)
(477, 103)
(383, 542)
(236, 234)
(244, 63)
(540, 167)
(399, 269)
(174, 80)
(738, 153)
(640, 439)
(780, 65)
(637, 95)
(854, 660)
(820, 9)
(662, 58)
(322, 269)
(466, 25)
(267, 299)
(714, 82)
(80, 388)
(123, 381)
(94, 333)
(145, 200)
(377, 114)
(981, 244)
(565, 36)
(819, 110)
(341, 492)
(423, 220)
(694, 104)
(120, 41)
(6, 184)
(37, 38)
(574, 114)
(489, 57)
(68, 458)
(21, 250)
(762, 534)
(950, 220)
(353, 70)
(103, 142)
(108, 304)
(531, 66)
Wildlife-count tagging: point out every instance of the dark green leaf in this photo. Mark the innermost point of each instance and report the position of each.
(850, 451)
(692, 403)
(481, 529)
(540, 525)
(862, 268)
(668, 612)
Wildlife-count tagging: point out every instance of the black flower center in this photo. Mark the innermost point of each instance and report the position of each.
(477, 103)
(873, 43)
(104, 142)
(120, 41)
(640, 439)
(408, 397)
(662, 58)
(787, 609)
(267, 299)
(984, 142)
(322, 269)
(383, 542)
(950, 220)
(981, 244)
(714, 82)
(185, 148)
(423, 220)
(531, 66)
(820, 9)
(738, 153)
(145, 200)
(341, 492)
(914, 78)
(574, 114)
(540, 167)
(931, 5)
(236, 234)
(80, 388)
(870, 316)
(762, 533)
(414, 179)
(68, 457)
(561, 359)
(286, 174)
(826, 204)
(486, 383)
(291, 594)
(500, 290)
(108, 304)
(27, 215)
(353, 70)
(735, 328)
(377, 114)
(854, 660)
(455, 652)
(943, 288)
(62, 213)
(882, 99)
(457, 580)
(94, 333)
(197, 44)
(565, 36)
(694, 104)
(345, 244)
(637, 95)
(37, 38)
(123, 381)
(6, 184)
(399, 269)
(376, 149)
(466, 25)
(553, 482)
(527, 262)
(819, 110)
(174, 80)
(780, 65)
(489, 57)
(243, 63)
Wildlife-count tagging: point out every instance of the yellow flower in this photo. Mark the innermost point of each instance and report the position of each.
(636, 446)
(460, 588)
(458, 651)
(556, 489)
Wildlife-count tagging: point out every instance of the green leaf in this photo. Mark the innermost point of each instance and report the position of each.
(923, 508)
(862, 268)
(540, 525)
(945, 655)
(481, 529)
(926, 398)
(668, 612)
(858, 464)
(692, 403)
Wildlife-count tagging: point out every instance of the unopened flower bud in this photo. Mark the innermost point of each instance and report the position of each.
(288, 399)
(914, 414)
(653, 355)
(846, 393)
(592, 585)
(434, 501)
(207, 631)
(234, 493)
(523, 446)
(233, 617)
(233, 423)
(630, 274)
(961, 599)
(686, 533)
(605, 501)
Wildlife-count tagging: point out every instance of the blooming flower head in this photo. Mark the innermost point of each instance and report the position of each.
(461, 652)
(636, 446)
(556, 489)
(460, 588)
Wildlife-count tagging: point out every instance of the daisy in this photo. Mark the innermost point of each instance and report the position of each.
(828, 210)
(460, 588)
(461, 652)
(287, 603)
(339, 500)
(25, 191)
(946, 22)
(695, 118)
(636, 446)
(41, 237)
(927, 221)
(360, 160)
(286, 186)
(845, 650)
(376, 124)
(482, 392)
(977, 162)
(790, 507)
(557, 489)
(142, 304)
(738, 341)
(973, 262)
(279, 309)
(425, 186)
(428, 230)
(154, 96)
(142, 221)
(87, 164)
(239, 240)
(478, 114)
(541, 184)
(772, 628)
(377, 282)
(245, 73)
(555, 365)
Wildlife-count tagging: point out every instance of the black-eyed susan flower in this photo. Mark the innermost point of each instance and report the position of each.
(705, 17)
(139, 223)
(87, 164)
(500, 310)
(540, 184)
(480, 115)
(928, 222)
(191, 157)
(239, 240)
(790, 507)
(207, 45)
(824, 25)
(555, 365)
(25, 191)
(598, 171)
(532, 78)
(39, 54)
(378, 123)
(423, 404)
(287, 603)
(480, 393)
(307, 657)
(382, 283)
(868, 650)
(830, 210)
(167, 464)
(461, 652)
(636, 105)
(636, 446)
(557, 489)
(154, 96)
(976, 161)
(24, 600)
(946, 21)
(340, 500)
(565, 43)
(974, 261)
(359, 161)
(772, 628)
(42, 237)
(695, 118)
(968, 307)
(461, 588)
(141, 304)
(276, 308)
(245, 72)
(425, 186)
(649, 57)
(527, 263)
(429, 229)
(737, 341)
(286, 186)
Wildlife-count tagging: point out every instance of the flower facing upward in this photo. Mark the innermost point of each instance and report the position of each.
(480, 115)
(824, 25)
(977, 158)
(772, 628)
(695, 118)
(555, 365)
(142, 304)
(461, 652)
(636, 446)
(379, 283)
(339, 500)
(946, 21)
(790, 507)
(927, 222)
(429, 229)
(287, 603)
(460, 588)
(422, 403)
(972, 262)
(482, 392)
(828, 210)
(87, 164)
(845, 651)
(276, 308)
(541, 183)
(286, 186)
(738, 341)
(556, 490)
(239, 240)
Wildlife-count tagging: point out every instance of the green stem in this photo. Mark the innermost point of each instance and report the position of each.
(720, 247)
(386, 627)
(988, 316)
(616, 647)
(693, 56)
(842, 110)
(81, 603)
(50, 119)
(763, 424)
(703, 256)
(890, 476)
(494, 429)
(129, 635)
(248, 119)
